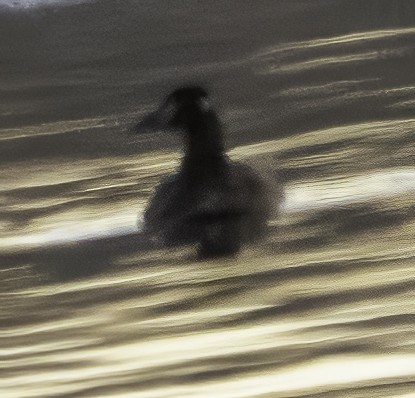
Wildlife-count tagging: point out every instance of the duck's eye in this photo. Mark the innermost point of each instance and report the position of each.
(204, 104)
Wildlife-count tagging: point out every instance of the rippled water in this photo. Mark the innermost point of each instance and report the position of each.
(317, 96)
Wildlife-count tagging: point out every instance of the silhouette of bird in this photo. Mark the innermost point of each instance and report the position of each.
(211, 201)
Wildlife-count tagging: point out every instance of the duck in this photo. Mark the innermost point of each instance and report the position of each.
(211, 202)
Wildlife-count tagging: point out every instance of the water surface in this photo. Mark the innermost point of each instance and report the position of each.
(317, 96)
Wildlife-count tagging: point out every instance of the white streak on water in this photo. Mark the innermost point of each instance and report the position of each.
(323, 62)
(51, 128)
(116, 225)
(22, 4)
(363, 188)
(325, 372)
(327, 88)
(336, 40)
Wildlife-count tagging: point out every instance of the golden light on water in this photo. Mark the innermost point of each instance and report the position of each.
(322, 307)
(302, 196)
(347, 370)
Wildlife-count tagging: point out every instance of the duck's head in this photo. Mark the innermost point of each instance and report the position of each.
(186, 108)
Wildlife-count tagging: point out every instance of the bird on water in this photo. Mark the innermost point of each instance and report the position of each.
(211, 202)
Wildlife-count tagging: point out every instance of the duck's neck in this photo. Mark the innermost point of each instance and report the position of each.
(204, 151)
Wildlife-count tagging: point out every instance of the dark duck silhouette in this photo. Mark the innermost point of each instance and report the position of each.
(211, 202)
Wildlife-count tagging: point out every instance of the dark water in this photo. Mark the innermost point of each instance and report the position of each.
(317, 95)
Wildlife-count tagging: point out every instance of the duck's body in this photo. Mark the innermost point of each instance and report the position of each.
(211, 201)
(221, 213)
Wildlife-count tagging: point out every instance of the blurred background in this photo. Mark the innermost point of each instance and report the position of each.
(318, 96)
